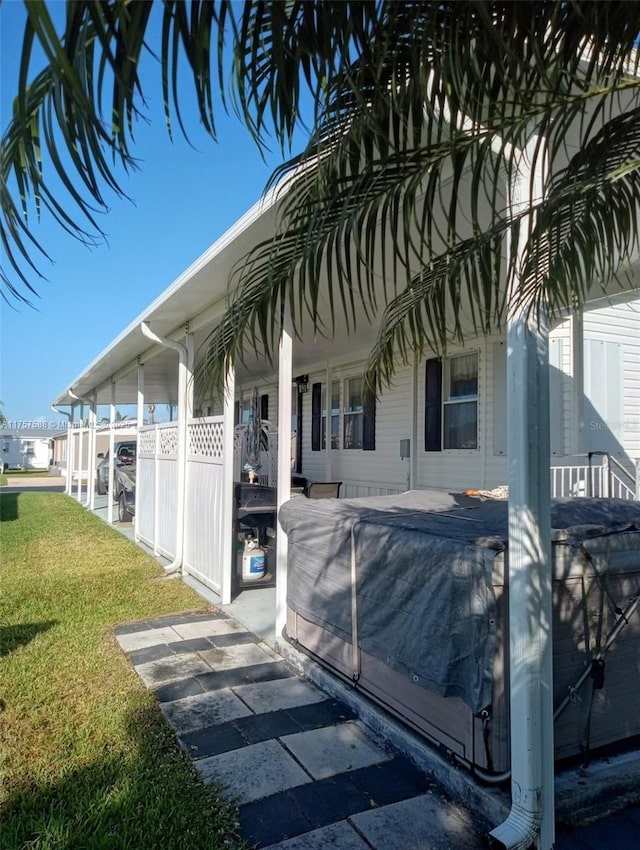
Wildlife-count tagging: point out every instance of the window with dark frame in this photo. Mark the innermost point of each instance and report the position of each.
(451, 403)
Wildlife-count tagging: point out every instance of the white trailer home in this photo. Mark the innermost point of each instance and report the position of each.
(24, 448)
(472, 420)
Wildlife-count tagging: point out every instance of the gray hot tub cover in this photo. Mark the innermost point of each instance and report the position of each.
(425, 603)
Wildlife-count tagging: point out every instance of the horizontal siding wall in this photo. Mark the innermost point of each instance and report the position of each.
(620, 323)
(376, 472)
(464, 469)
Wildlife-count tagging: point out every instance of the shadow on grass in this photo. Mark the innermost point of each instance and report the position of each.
(8, 507)
(150, 799)
(12, 637)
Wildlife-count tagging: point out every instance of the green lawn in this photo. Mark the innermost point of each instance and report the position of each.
(88, 761)
(23, 473)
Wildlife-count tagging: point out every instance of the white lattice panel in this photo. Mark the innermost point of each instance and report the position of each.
(206, 439)
(147, 441)
(168, 443)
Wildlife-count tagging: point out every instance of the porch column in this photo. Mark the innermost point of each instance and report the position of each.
(413, 460)
(69, 482)
(328, 464)
(112, 419)
(531, 820)
(577, 382)
(285, 379)
(91, 494)
(228, 542)
(140, 421)
(80, 449)
(185, 411)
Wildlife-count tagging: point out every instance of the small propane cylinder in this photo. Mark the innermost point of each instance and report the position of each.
(253, 561)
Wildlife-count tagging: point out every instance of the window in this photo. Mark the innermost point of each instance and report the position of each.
(353, 414)
(335, 415)
(355, 418)
(451, 408)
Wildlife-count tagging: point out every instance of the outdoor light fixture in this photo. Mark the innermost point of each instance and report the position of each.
(302, 383)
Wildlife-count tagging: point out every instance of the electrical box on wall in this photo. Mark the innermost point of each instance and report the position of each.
(405, 449)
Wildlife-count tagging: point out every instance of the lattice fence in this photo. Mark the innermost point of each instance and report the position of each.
(206, 438)
(168, 441)
(147, 441)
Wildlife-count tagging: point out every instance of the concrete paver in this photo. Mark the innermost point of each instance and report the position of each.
(149, 637)
(253, 772)
(226, 658)
(202, 710)
(281, 693)
(334, 749)
(171, 669)
(422, 823)
(305, 773)
(336, 836)
(207, 628)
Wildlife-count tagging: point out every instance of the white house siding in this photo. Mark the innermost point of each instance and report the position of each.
(619, 325)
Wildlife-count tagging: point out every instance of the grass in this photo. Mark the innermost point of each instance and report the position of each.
(88, 760)
(22, 473)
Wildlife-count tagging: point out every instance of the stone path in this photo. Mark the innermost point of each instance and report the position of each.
(304, 772)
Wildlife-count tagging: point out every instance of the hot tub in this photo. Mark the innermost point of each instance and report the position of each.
(407, 597)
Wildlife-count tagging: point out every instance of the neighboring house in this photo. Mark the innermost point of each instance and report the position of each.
(24, 448)
(60, 446)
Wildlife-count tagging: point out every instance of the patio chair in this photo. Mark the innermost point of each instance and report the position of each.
(323, 489)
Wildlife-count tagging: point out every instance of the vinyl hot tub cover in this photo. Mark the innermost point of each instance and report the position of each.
(409, 578)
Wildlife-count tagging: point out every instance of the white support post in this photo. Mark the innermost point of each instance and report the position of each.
(112, 420)
(80, 452)
(577, 382)
(328, 464)
(91, 473)
(185, 412)
(70, 438)
(156, 489)
(413, 447)
(285, 379)
(531, 821)
(228, 538)
(638, 479)
(140, 420)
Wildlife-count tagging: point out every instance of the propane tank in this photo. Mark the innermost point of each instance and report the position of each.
(253, 566)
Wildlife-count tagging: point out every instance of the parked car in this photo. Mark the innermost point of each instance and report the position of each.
(124, 477)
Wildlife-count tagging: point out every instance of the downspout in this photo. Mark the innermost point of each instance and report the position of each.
(183, 367)
(531, 820)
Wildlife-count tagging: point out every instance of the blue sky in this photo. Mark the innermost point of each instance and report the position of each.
(182, 200)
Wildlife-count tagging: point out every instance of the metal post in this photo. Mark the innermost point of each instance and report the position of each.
(577, 381)
(228, 538)
(91, 474)
(285, 379)
(140, 423)
(328, 465)
(80, 453)
(112, 420)
(531, 820)
(69, 482)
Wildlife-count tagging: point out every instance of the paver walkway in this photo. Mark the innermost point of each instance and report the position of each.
(305, 773)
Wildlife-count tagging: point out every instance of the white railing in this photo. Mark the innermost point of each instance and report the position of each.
(599, 475)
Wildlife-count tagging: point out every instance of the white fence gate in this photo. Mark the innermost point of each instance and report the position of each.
(157, 492)
(157, 487)
(203, 527)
